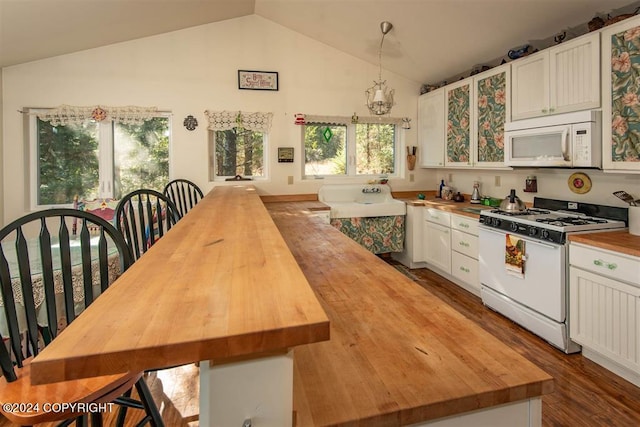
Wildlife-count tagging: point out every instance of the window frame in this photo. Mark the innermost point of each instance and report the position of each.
(106, 145)
(351, 147)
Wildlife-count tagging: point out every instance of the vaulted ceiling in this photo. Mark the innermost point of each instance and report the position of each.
(431, 40)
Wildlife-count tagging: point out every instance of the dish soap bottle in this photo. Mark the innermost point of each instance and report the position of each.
(440, 189)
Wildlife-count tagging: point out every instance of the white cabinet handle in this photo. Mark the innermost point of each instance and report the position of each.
(465, 244)
(462, 224)
(466, 270)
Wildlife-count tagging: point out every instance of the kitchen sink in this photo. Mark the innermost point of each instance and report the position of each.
(474, 210)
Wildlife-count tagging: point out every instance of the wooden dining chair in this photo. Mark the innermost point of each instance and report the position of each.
(144, 216)
(47, 278)
(184, 194)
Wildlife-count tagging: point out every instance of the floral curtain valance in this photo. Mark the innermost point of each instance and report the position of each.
(225, 120)
(68, 114)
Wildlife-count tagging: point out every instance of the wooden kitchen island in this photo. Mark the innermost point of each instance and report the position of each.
(398, 355)
(220, 286)
(223, 286)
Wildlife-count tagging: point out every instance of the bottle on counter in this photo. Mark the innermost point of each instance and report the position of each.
(440, 189)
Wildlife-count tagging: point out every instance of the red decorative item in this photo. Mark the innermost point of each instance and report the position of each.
(98, 114)
(300, 120)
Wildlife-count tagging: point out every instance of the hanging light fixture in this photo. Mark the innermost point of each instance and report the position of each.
(379, 96)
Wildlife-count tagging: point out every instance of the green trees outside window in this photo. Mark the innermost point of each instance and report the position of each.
(328, 150)
(72, 160)
(239, 151)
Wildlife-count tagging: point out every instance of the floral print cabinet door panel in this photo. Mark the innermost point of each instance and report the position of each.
(620, 93)
(492, 110)
(459, 124)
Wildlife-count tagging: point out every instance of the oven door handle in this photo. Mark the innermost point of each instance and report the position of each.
(535, 242)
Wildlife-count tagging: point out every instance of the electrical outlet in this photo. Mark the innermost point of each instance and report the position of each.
(411, 177)
(290, 180)
(497, 181)
(449, 178)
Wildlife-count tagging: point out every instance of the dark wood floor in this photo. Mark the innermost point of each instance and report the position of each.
(585, 394)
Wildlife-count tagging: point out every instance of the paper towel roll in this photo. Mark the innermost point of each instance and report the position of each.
(634, 220)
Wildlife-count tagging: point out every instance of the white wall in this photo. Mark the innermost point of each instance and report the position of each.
(552, 184)
(189, 71)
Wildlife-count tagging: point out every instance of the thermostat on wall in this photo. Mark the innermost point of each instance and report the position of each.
(285, 154)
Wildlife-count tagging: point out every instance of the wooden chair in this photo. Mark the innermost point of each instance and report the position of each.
(144, 216)
(184, 194)
(46, 281)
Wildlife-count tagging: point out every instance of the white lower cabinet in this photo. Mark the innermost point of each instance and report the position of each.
(443, 242)
(464, 252)
(604, 308)
(437, 239)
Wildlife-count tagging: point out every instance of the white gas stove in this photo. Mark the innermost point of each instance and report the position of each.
(523, 262)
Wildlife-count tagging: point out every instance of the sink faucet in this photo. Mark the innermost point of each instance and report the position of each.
(371, 190)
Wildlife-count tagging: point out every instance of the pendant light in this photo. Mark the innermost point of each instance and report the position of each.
(379, 96)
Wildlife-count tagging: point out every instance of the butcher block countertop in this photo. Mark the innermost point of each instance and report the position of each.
(398, 354)
(220, 285)
(449, 206)
(617, 241)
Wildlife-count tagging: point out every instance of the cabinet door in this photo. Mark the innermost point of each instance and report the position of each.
(492, 109)
(431, 128)
(604, 317)
(620, 92)
(530, 86)
(460, 127)
(574, 79)
(437, 246)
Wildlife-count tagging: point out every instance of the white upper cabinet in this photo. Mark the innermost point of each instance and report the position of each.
(491, 110)
(530, 86)
(431, 128)
(477, 109)
(560, 79)
(620, 96)
(460, 126)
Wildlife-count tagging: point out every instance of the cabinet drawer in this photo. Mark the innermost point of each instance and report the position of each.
(464, 243)
(465, 269)
(606, 263)
(437, 216)
(464, 223)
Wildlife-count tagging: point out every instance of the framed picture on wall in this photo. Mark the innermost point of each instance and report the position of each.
(257, 80)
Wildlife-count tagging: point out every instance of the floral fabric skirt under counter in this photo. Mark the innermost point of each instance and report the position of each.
(380, 234)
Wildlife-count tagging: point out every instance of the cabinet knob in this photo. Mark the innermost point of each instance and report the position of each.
(544, 110)
(551, 110)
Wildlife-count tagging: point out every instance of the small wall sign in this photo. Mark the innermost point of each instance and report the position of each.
(257, 80)
(285, 154)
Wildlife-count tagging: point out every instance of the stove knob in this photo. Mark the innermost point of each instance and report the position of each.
(496, 222)
(533, 231)
(544, 234)
(513, 226)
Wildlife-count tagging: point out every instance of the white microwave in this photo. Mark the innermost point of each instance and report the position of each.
(572, 140)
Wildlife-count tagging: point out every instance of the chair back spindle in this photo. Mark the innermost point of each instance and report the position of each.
(184, 194)
(144, 216)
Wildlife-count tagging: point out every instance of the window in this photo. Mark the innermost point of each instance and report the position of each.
(239, 151)
(237, 144)
(90, 159)
(337, 147)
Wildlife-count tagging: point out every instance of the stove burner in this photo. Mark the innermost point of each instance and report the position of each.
(562, 221)
(530, 211)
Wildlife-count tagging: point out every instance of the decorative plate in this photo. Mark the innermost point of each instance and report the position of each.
(579, 183)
